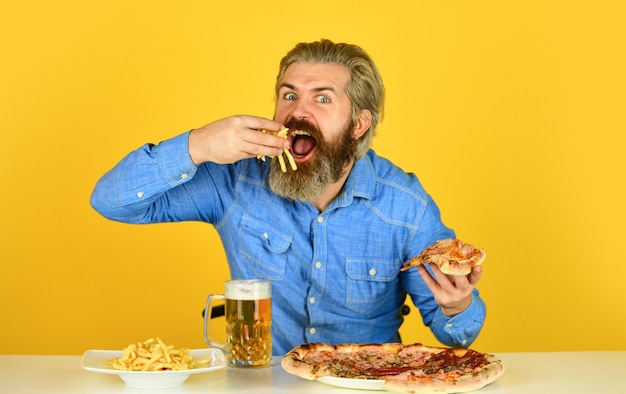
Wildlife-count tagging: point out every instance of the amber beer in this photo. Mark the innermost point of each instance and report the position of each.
(249, 332)
(248, 313)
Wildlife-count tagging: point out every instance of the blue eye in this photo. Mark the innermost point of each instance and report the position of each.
(323, 99)
(290, 96)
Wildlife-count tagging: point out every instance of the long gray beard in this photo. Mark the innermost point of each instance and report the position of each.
(310, 179)
(301, 188)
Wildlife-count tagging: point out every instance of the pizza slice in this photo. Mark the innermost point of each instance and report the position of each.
(451, 255)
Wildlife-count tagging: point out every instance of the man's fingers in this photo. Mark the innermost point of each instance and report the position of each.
(428, 279)
(262, 140)
(475, 275)
(257, 123)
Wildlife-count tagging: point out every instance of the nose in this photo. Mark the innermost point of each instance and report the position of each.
(301, 110)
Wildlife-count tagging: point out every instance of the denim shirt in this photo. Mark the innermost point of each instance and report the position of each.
(335, 274)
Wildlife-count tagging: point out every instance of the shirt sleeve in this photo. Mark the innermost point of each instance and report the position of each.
(460, 330)
(456, 331)
(126, 192)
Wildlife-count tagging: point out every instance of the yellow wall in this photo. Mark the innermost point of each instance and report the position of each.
(511, 113)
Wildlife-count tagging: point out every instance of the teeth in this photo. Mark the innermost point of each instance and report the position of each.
(299, 132)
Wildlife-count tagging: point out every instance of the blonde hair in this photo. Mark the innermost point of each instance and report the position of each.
(365, 89)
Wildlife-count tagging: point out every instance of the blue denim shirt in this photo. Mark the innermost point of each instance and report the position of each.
(335, 275)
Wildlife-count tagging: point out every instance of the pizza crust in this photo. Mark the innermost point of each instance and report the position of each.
(293, 362)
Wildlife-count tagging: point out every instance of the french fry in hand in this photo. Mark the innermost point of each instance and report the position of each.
(292, 163)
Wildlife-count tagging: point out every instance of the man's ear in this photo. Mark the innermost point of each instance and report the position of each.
(363, 122)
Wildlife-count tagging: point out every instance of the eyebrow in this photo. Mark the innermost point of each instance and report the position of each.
(317, 90)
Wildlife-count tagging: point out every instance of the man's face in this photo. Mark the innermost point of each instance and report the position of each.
(312, 100)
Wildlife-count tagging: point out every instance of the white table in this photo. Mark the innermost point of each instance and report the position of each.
(527, 373)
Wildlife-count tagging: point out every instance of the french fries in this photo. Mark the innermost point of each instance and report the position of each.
(154, 355)
(282, 133)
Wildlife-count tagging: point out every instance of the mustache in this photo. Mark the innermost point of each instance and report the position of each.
(303, 125)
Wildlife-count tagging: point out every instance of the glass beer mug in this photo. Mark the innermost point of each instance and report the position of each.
(248, 313)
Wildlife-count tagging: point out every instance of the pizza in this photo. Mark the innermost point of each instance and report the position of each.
(451, 255)
(412, 368)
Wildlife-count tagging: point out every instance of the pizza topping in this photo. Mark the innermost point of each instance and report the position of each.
(447, 362)
(369, 362)
(410, 355)
(364, 363)
(379, 372)
(319, 357)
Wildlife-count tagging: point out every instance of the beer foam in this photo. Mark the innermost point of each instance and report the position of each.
(248, 289)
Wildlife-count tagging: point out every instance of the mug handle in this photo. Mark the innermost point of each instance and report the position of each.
(207, 324)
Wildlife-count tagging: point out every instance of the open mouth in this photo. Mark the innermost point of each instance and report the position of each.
(302, 145)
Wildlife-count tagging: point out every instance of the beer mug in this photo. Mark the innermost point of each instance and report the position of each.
(248, 313)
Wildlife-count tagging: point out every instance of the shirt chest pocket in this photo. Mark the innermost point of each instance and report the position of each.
(371, 283)
(263, 249)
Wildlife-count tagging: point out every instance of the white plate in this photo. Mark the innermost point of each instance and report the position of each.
(92, 361)
(361, 384)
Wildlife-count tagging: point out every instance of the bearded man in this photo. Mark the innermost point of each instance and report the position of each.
(331, 235)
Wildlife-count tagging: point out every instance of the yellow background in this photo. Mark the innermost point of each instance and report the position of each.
(510, 112)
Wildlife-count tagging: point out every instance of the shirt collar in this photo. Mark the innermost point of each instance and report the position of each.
(360, 182)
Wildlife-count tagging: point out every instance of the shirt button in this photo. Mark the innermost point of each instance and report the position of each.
(140, 194)
(318, 265)
(312, 330)
(265, 236)
(184, 176)
(449, 325)
(312, 300)
(372, 272)
(320, 219)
